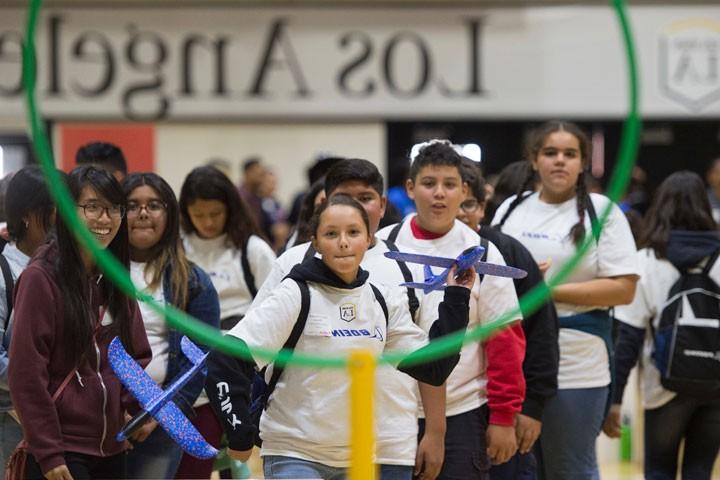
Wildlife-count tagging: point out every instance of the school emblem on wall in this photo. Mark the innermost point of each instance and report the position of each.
(348, 312)
(689, 62)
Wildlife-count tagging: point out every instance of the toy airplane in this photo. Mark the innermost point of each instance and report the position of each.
(467, 259)
(158, 403)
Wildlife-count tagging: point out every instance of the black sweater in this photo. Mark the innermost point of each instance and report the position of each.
(542, 354)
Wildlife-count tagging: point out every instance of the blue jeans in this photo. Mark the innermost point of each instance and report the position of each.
(157, 457)
(698, 422)
(10, 435)
(275, 466)
(465, 447)
(572, 420)
(519, 467)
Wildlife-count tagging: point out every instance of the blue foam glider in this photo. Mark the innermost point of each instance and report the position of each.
(158, 403)
(468, 258)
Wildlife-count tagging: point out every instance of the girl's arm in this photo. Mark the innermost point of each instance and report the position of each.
(605, 292)
(453, 315)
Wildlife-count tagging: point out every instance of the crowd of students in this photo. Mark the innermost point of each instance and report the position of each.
(528, 402)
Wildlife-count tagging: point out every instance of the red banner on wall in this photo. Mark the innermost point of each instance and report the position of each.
(136, 140)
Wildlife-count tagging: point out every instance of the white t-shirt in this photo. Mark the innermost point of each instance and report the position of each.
(657, 277)
(489, 299)
(544, 229)
(155, 325)
(396, 394)
(223, 263)
(308, 413)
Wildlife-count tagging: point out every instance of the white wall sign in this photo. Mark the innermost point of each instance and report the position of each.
(362, 63)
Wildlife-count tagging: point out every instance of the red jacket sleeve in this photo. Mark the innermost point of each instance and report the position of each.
(506, 384)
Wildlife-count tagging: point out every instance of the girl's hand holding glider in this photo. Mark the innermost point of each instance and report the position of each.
(465, 279)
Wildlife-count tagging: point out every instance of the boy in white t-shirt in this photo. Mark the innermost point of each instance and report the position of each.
(397, 453)
(487, 388)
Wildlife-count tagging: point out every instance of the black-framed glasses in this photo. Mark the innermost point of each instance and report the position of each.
(469, 205)
(153, 207)
(93, 211)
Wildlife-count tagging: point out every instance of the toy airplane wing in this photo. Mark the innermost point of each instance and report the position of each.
(485, 268)
(179, 428)
(132, 375)
(423, 259)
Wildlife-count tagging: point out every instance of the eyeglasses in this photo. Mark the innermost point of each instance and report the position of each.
(153, 207)
(469, 205)
(93, 211)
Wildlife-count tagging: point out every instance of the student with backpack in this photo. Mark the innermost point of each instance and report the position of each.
(220, 237)
(551, 223)
(540, 365)
(159, 267)
(676, 314)
(398, 453)
(486, 390)
(333, 308)
(30, 213)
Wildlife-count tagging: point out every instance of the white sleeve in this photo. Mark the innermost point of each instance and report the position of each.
(642, 310)
(497, 294)
(280, 267)
(268, 326)
(261, 259)
(402, 333)
(617, 254)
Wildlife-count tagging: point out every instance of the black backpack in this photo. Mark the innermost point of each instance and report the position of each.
(687, 338)
(9, 286)
(260, 391)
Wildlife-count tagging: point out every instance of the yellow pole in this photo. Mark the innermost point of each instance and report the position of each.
(362, 436)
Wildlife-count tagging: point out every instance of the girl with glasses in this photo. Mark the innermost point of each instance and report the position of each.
(66, 313)
(159, 267)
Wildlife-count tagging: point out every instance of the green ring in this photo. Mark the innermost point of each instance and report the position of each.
(209, 336)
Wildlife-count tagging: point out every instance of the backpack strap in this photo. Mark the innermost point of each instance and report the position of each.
(593, 219)
(486, 245)
(9, 285)
(706, 269)
(413, 301)
(381, 301)
(394, 232)
(310, 252)
(247, 272)
(294, 335)
(511, 209)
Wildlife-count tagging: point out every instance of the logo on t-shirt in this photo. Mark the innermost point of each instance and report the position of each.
(348, 312)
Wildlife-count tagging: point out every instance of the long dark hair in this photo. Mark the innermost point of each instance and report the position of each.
(28, 195)
(209, 183)
(168, 251)
(680, 203)
(535, 142)
(73, 277)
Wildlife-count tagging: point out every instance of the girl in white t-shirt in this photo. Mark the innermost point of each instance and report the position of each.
(159, 267)
(221, 238)
(551, 223)
(305, 426)
(679, 234)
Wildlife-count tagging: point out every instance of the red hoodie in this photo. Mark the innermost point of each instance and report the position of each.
(90, 411)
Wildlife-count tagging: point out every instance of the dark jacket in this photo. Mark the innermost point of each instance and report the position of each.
(204, 305)
(542, 354)
(90, 411)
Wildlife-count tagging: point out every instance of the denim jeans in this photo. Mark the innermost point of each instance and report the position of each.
(279, 467)
(10, 435)
(572, 420)
(157, 457)
(465, 447)
(696, 421)
(522, 466)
